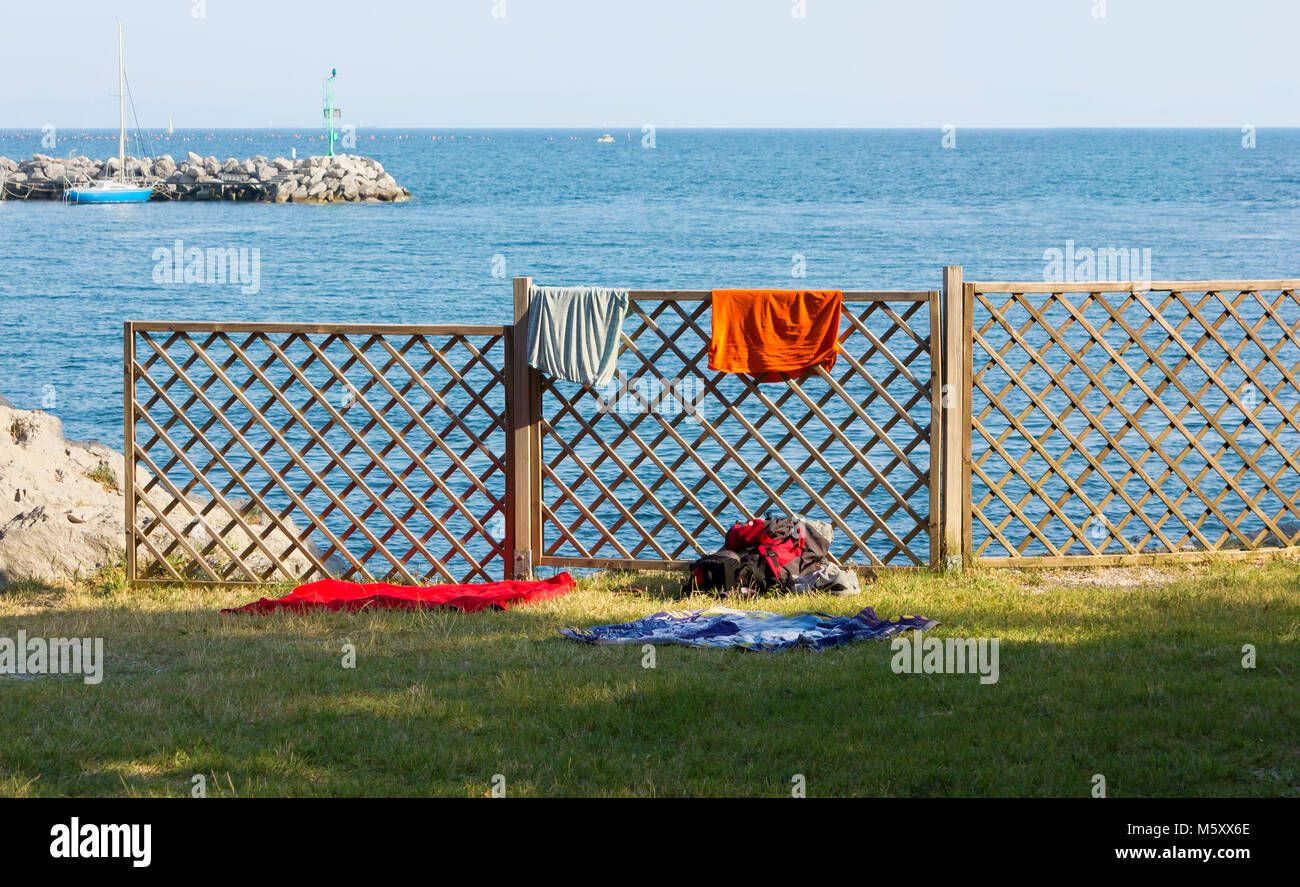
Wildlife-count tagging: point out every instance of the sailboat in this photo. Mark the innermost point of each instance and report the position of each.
(109, 190)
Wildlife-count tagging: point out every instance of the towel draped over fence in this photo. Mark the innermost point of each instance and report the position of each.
(774, 335)
(573, 332)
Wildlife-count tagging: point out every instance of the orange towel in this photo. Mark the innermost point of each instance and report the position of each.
(774, 335)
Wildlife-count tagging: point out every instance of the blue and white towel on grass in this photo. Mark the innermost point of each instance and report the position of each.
(719, 627)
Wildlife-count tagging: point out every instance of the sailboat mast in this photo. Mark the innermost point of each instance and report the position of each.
(121, 106)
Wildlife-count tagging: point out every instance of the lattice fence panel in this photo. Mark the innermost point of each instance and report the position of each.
(655, 467)
(285, 452)
(1134, 422)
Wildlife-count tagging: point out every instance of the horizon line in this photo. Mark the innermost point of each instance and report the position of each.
(638, 127)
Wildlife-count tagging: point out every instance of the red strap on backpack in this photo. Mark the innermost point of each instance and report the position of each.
(780, 552)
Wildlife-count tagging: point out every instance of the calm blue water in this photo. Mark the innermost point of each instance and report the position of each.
(867, 209)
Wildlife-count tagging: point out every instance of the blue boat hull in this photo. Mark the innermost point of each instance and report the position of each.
(122, 195)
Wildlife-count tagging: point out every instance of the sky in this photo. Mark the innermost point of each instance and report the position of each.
(670, 63)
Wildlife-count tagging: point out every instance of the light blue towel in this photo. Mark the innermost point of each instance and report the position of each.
(573, 332)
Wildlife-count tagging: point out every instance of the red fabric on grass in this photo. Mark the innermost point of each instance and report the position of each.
(335, 594)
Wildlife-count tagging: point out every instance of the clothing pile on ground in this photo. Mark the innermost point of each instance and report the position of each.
(756, 630)
(770, 554)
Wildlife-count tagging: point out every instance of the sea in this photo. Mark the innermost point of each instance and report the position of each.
(667, 209)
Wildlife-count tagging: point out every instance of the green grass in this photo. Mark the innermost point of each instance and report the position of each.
(104, 476)
(1142, 684)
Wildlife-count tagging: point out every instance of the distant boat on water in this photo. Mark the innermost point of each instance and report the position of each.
(606, 139)
(120, 190)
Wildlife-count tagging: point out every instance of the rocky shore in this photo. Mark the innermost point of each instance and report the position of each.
(63, 512)
(343, 178)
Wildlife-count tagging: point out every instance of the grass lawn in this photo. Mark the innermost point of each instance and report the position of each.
(1133, 674)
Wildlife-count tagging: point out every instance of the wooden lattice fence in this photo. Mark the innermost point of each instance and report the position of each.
(1113, 422)
(1003, 423)
(282, 452)
(651, 471)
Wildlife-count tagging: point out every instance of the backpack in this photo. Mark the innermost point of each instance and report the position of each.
(714, 572)
(762, 554)
(781, 546)
(817, 545)
(745, 535)
(726, 571)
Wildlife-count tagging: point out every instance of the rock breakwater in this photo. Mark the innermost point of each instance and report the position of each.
(342, 178)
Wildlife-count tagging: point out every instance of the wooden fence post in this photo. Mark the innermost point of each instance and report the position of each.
(956, 417)
(128, 444)
(524, 454)
(967, 417)
(936, 429)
